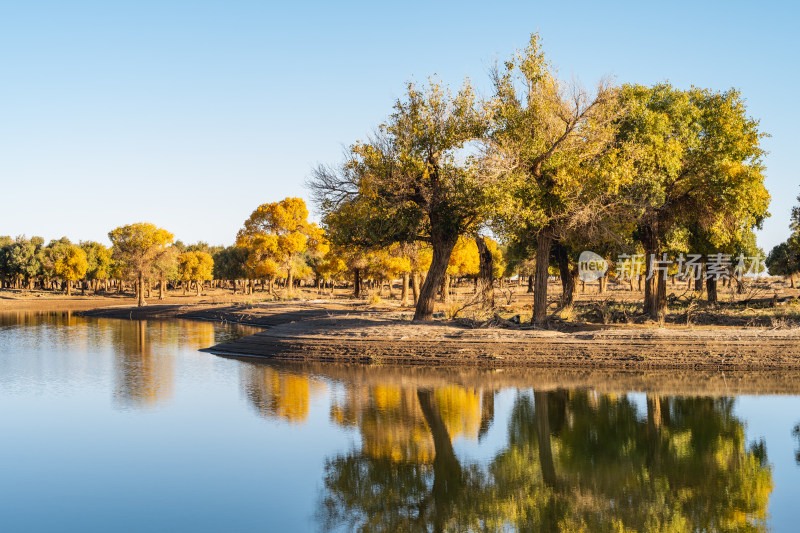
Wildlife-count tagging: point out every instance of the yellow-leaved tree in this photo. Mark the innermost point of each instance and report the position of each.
(196, 266)
(285, 227)
(70, 265)
(136, 247)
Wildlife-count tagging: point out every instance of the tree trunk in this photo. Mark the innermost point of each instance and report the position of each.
(161, 284)
(601, 289)
(711, 289)
(198, 286)
(404, 294)
(415, 286)
(442, 249)
(140, 289)
(290, 280)
(567, 275)
(485, 281)
(69, 288)
(543, 241)
(655, 288)
(530, 284)
(446, 289)
(356, 283)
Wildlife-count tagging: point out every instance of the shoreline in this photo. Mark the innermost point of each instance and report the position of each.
(327, 331)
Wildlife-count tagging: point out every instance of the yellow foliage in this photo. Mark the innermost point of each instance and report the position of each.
(71, 265)
(464, 261)
(195, 266)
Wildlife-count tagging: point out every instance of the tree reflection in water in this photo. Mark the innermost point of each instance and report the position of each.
(796, 433)
(574, 461)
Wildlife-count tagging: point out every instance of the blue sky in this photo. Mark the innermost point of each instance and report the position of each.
(190, 114)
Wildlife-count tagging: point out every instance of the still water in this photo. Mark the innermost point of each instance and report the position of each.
(114, 425)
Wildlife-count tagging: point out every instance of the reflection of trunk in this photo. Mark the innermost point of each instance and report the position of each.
(487, 412)
(543, 436)
(484, 280)
(442, 249)
(447, 478)
(543, 241)
(654, 419)
(567, 278)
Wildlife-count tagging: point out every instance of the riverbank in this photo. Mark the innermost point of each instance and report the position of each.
(382, 340)
(352, 331)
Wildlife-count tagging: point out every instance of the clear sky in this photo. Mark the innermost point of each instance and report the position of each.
(189, 114)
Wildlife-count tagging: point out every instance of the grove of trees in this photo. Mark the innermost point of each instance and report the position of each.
(454, 186)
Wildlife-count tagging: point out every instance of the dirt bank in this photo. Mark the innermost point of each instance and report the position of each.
(351, 332)
(351, 338)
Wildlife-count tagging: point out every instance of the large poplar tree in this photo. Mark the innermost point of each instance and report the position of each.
(411, 182)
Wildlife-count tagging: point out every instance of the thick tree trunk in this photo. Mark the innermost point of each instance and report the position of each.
(446, 288)
(567, 275)
(404, 294)
(543, 241)
(290, 280)
(199, 286)
(711, 290)
(140, 289)
(161, 284)
(69, 288)
(530, 284)
(442, 249)
(484, 280)
(415, 286)
(655, 288)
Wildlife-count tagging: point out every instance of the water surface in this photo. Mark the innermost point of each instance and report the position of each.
(116, 425)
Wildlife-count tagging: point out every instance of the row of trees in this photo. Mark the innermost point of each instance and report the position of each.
(552, 169)
(140, 253)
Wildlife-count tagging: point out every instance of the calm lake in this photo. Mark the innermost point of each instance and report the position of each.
(115, 425)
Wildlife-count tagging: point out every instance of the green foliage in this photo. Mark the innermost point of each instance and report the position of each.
(783, 260)
(99, 262)
(229, 263)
